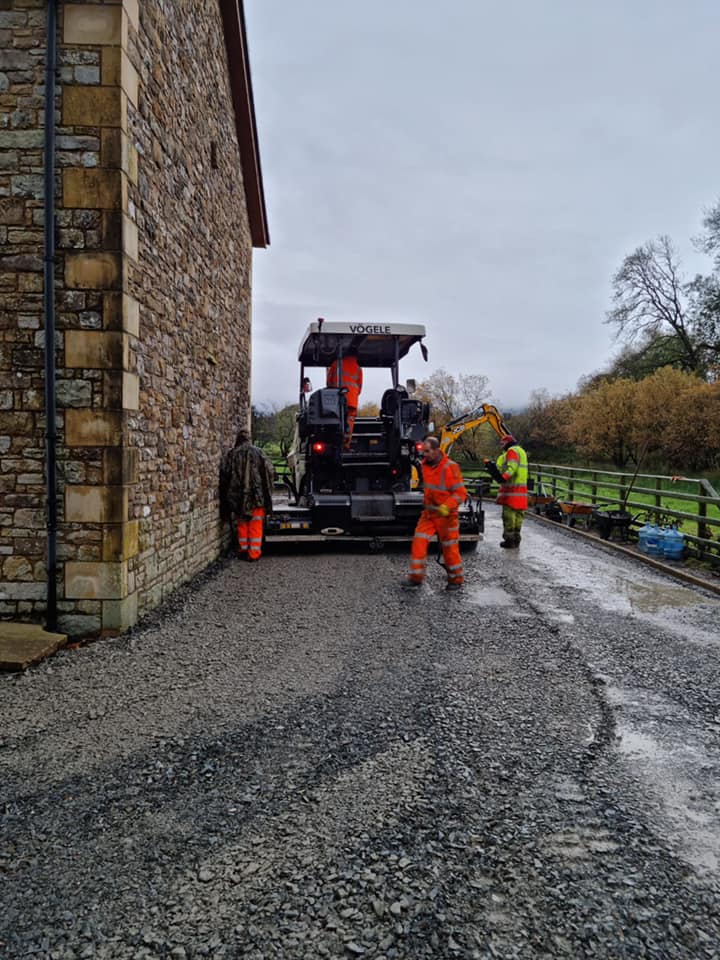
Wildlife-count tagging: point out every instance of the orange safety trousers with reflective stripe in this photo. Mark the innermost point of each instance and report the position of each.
(250, 533)
(448, 531)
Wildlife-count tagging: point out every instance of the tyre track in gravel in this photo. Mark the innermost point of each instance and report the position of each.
(364, 774)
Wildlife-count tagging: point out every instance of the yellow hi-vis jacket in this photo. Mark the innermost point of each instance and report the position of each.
(513, 467)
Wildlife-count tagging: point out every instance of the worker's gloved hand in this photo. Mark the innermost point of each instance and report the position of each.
(492, 470)
(444, 510)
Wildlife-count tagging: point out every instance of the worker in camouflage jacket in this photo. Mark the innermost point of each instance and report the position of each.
(246, 485)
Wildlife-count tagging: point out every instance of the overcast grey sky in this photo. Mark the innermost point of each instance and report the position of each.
(478, 167)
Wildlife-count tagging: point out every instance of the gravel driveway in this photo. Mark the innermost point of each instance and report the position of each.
(297, 759)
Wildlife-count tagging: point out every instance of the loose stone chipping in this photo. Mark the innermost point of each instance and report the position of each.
(267, 769)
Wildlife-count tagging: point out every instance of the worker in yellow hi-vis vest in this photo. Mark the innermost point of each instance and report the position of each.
(511, 472)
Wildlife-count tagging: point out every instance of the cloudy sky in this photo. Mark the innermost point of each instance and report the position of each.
(481, 168)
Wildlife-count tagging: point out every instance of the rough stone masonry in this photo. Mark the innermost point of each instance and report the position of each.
(157, 213)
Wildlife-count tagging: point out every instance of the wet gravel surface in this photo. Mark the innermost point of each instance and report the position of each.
(299, 760)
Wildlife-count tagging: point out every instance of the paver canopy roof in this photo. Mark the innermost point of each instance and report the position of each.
(377, 344)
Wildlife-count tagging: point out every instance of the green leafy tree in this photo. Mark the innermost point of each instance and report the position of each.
(542, 427)
(653, 351)
(273, 425)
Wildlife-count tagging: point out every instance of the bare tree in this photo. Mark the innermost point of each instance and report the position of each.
(451, 396)
(649, 300)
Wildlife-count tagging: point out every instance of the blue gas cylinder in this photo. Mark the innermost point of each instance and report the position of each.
(654, 547)
(674, 544)
(643, 537)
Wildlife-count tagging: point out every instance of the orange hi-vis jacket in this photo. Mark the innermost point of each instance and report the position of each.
(352, 379)
(443, 483)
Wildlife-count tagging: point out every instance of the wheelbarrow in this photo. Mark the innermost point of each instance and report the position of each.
(610, 522)
(573, 511)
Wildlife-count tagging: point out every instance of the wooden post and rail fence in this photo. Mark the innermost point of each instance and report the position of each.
(648, 496)
(651, 496)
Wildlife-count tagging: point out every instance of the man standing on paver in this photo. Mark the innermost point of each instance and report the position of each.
(349, 378)
(444, 491)
(246, 485)
(511, 472)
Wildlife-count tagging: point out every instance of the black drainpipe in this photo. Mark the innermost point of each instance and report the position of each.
(49, 303)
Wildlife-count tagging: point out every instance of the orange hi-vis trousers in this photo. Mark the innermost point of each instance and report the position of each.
(448, 531)
(351, 415)
(250, 534)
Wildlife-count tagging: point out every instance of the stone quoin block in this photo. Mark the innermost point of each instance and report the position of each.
(94, 428)
(116, 150)
(91, 106)
(120, 541)
(120, 614)
(92, 188)
(121, 390)
(93, 23)
(121, 312)
(129, 238)
(93, 271)
(88, 580)
(95, 504)
(132, 12)
(118, 71)
(120, 465)
(97, 349)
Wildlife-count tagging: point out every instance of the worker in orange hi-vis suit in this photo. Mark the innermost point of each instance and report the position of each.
(351, 379)
(444, 493)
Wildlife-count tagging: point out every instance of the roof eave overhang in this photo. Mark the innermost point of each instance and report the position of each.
(241, 86)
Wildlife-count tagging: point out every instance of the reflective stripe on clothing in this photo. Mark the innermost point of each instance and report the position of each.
(250, 533)
(513, 466)
(443, 484)
(428, 526)
(512, 520)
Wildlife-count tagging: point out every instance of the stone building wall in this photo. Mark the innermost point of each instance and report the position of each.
(195, 261)
(22, 455)
(153, 303)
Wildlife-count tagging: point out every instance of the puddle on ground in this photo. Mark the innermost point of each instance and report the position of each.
(653, 597)
(639, 745)
(624, 588)
(553, 614)
(683, 777)
(491, 597)
(672, 774)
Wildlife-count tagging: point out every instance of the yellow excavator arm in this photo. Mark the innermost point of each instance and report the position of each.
(485, 413)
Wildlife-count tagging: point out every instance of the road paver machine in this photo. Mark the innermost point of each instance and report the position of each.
(365, 491)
